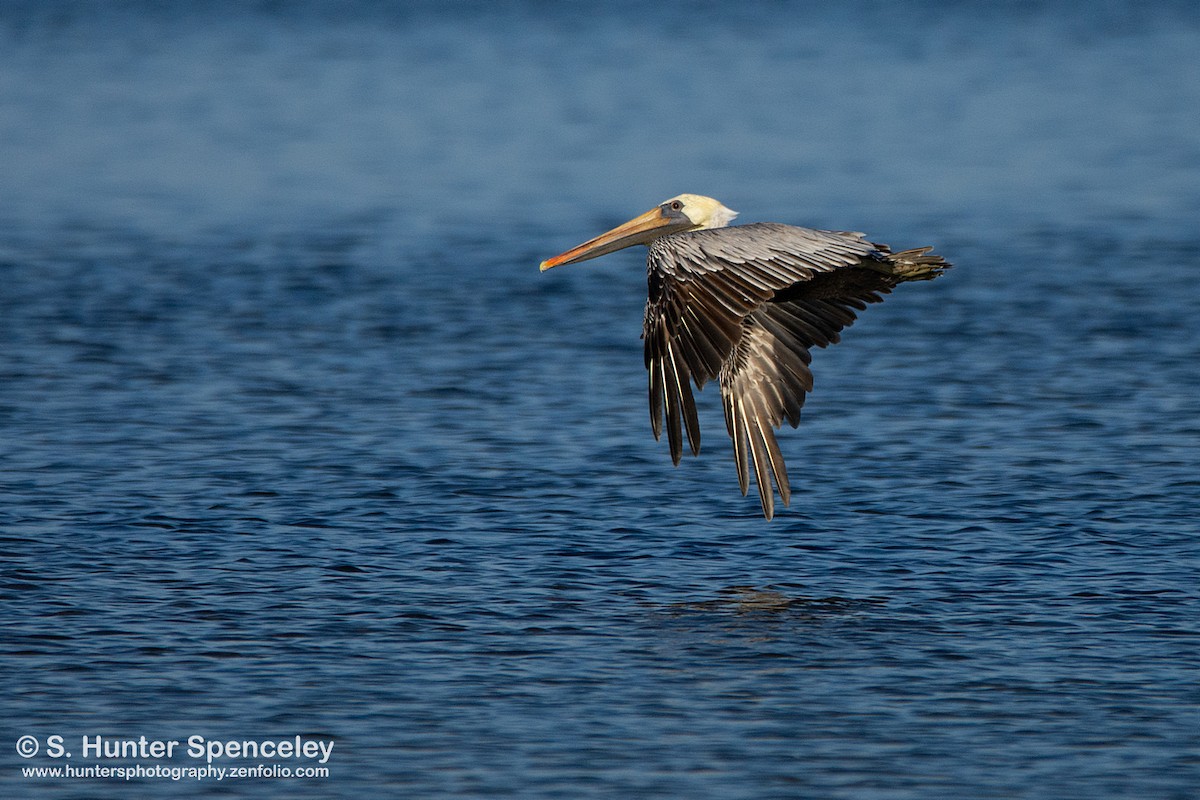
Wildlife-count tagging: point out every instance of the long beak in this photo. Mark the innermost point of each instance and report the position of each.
(639, 230)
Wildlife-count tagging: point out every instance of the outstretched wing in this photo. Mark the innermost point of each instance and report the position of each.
(767, 376)
(744, 304)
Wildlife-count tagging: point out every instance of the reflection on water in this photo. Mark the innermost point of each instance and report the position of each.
(296, 438)
(751, 600)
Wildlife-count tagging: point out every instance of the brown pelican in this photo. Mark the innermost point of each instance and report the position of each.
(744, 305)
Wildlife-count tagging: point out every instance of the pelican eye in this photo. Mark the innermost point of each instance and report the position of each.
(676, 205)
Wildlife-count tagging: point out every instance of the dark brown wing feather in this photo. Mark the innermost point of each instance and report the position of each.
(744, 305)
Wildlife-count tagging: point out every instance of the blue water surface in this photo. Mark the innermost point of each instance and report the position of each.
(296, 441)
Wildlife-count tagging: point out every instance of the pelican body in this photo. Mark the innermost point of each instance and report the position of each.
(744, 305)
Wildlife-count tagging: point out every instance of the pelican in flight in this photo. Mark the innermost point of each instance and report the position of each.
(743, 305)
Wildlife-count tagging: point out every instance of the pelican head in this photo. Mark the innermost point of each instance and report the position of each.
(685, 212)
